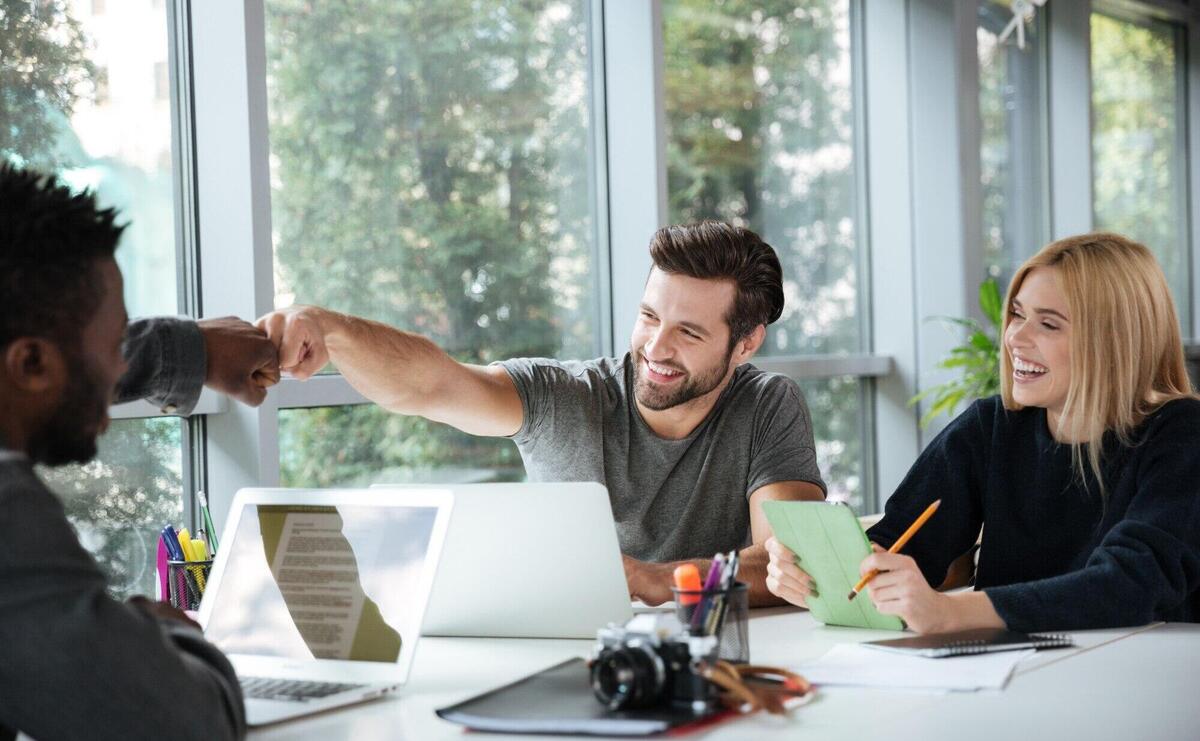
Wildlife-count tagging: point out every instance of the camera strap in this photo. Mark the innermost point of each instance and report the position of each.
(750, 687)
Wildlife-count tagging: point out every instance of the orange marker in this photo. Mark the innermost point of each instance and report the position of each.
(687, 579)
(911, 531)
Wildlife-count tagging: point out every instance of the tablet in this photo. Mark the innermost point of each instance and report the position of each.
(829, 545)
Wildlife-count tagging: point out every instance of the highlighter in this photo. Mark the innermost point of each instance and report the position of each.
(185, 544)
(687, 579)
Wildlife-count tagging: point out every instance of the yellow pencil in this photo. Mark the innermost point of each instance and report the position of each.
(911, 531)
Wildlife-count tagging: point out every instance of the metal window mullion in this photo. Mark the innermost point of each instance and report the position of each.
(636, 150)
(335, 390)
(1192, 144)
(970, 135)
(598, 180)
(938, 188)
(318, 391)
(183, 156)
(889, 232)
(1182, 197)
(827, 366)
(233, 189)
(872, 498)
(866, 387)
(1043, 230)
(210, 402)
(861, 195)
(1069, 110)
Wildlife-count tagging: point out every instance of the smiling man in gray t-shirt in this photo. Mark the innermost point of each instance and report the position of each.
(672, 499)
(688, 438)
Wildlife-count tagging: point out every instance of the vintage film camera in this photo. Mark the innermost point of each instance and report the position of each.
(652, 661)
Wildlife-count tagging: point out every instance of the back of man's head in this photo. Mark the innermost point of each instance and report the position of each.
(50, 242)
(714, 250)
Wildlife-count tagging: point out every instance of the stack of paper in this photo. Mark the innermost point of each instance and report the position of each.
(851, 664)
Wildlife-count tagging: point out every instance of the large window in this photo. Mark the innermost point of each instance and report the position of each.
(120, 501)
(431, 168)
(1012, 130)
(84, 105)
(760, 133)
(441, 166)
(379, 447)
(87, 104)
(1138, 143)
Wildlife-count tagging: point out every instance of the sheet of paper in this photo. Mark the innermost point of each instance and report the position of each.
(851, 664)
(317, 573)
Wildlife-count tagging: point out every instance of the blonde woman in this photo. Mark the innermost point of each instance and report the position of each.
(1084, 473)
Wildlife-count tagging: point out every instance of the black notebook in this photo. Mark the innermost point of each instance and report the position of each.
(966, 642)
(560, 700)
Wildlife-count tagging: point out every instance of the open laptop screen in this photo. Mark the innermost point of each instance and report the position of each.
(323, 581)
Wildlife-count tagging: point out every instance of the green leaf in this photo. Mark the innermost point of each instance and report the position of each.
(982, 341)
(977, 360)
(956, 362)
(969, 323)
(942, 405)
(926, 418)
(990, 301)
(917, 399)
(948, 403)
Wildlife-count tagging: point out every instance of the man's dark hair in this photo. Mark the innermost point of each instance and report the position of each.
(714, 250)
(50, 240)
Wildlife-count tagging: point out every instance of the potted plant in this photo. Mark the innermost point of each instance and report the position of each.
(977, 360)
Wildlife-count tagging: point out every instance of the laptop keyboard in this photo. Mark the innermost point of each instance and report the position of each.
(294, 690)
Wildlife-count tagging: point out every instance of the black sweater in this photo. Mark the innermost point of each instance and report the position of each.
(1055, 555)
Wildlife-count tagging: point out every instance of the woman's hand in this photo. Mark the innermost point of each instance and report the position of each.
(784, 578)
(900, 589)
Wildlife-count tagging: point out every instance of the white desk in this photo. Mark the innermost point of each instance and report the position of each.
(1123, 684)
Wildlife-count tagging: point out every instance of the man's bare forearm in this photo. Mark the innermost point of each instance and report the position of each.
(396, 369)
(652, 582)
(402, 372)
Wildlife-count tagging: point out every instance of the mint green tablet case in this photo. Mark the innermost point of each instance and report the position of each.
(829, 545)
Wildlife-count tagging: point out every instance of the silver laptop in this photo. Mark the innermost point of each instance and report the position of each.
(528, 560)
(317, 596)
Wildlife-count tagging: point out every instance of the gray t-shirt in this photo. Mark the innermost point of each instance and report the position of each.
(672, 499)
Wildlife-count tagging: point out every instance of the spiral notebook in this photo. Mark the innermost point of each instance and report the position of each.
(967, 642)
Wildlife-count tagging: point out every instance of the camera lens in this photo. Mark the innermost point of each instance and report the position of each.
(627, 677)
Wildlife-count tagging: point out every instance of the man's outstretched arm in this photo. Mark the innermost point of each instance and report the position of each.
(651, 582)
(402, 372)
(170, 358)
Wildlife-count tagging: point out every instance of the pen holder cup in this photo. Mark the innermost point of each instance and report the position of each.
(186, 581)
(724, 613)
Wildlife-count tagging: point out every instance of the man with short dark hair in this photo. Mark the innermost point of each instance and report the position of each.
(687, 437)
(75, 663)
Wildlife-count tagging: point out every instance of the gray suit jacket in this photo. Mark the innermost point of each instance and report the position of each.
(75, 663)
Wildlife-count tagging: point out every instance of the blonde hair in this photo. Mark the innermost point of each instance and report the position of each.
(1126, 350)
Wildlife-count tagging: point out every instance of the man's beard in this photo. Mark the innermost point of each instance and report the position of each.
(69, 435)
(692, 387)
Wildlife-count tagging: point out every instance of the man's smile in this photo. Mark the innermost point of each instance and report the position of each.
(662, 373)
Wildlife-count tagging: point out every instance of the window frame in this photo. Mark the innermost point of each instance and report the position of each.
(177, 29)
(905, 228)
(230, 109)
(914, 59)
(1147, 15)
(182, 140)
